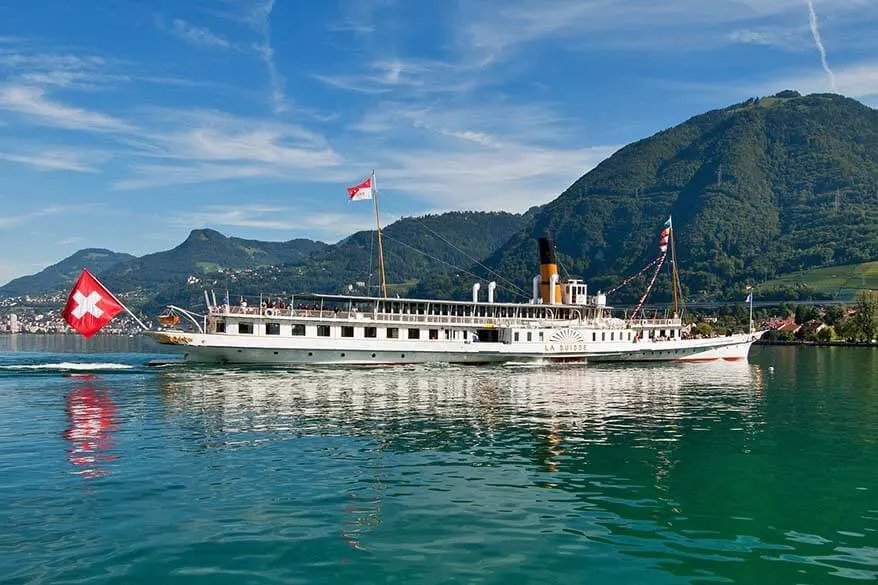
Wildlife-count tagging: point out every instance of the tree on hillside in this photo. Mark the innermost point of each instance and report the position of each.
(865, 320)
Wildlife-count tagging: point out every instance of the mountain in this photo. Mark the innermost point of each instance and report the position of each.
(205, 251)
(415, 248)
(62, 275)
(762, 188)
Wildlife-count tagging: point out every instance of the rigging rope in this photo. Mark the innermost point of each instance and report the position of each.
(648, 288)
(401, 243)
(474, 260)
(633, 276)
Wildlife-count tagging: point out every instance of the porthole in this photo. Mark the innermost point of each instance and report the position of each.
(342, 355)
(310, 353)
(275, 353)
(373, 355)
(402, 355)
(240, 350)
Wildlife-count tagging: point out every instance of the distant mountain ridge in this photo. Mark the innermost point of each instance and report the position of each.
(203, 252)
(413, 247)
(63, 274)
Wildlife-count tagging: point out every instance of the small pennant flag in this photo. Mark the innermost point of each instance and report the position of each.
(362, 191)
(666, 234)
(749, 298)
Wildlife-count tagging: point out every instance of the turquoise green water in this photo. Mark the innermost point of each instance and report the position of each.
(703, 473)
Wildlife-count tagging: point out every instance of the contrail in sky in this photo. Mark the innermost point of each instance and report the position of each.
(815, 31)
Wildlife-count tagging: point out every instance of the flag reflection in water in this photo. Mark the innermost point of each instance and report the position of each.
(91, 415)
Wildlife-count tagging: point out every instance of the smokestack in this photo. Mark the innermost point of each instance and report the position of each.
(550, 290)
(476, 288)
(491, 286)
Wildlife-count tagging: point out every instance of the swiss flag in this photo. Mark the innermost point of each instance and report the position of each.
(90, 306)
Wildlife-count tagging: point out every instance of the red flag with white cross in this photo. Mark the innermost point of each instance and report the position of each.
(90, 306)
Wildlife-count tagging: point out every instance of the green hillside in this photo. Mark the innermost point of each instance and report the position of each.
(842, 282)
(61, 276)
(766, 187)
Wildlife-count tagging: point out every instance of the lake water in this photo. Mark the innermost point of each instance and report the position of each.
(111, 471)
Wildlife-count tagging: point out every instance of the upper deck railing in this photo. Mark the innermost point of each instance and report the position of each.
(544, 316)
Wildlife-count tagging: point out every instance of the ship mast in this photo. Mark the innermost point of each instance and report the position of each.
(380, 248)
(675, 276)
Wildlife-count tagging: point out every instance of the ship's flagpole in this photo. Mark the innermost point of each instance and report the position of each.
(675, 279)
(378, 223)
(750, 298)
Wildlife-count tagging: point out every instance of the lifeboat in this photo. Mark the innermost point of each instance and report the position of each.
(169, 319)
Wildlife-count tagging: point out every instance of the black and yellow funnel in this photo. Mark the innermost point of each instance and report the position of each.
(548, 267)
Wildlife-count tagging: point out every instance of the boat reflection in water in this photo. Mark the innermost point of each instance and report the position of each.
(599, 401)
(450, 438)
(92, 418)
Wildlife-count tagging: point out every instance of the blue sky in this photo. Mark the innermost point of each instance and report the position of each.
(125, 124)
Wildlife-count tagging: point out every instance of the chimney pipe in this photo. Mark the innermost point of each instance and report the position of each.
(491, 286)
(550, 290)
(476, 288)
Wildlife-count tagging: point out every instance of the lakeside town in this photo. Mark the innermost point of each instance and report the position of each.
(41, 314)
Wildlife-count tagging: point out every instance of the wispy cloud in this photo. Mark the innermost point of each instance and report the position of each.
(259, 18)
(33, 103)
(53, 160)
(194, 35)
(857, 80)
(818, 41)
(326, 226)
(9, 220)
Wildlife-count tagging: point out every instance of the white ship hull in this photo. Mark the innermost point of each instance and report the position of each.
(226, 349)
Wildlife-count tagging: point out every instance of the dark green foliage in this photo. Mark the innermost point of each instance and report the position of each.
(762, 188)
(864, 322)
(62, 275)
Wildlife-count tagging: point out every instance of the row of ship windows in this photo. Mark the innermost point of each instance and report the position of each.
(432, 334)
(346, 331)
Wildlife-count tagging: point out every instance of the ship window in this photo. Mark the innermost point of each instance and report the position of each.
(434, 334)
(464, 334)
(612, 336)
(673, 333)
(370, 332)
(603, 335)
(392, 333)
(629, 336)
(298, 329)
(272, 328)
(323, 331)
(515, 337)
(530, 336)
(245, 328)
(220, 326)
(414, 333)
(347, 331)
(594, 336)
(541, 335)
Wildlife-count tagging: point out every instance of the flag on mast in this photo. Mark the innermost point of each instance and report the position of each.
(90, 305)
(666, 233)
(363, 191)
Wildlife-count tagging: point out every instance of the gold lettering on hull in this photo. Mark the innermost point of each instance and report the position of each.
(565, 348)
